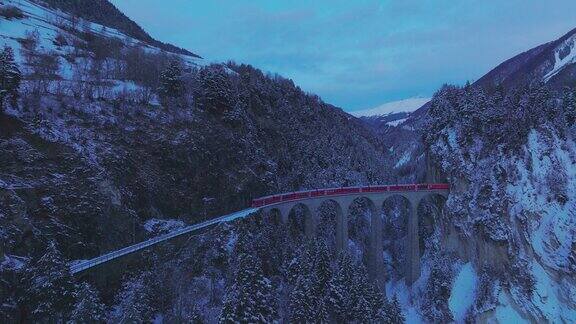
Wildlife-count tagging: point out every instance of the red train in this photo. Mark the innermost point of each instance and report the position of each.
(274, 199)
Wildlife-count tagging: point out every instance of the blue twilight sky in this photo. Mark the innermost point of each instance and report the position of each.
(362, 53)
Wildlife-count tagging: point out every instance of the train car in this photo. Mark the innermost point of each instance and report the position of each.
(352, 190)
(366, 189)
(263, 201)
(288, 197)
(341, 191)
(302, 195)
(331, 191)
(439, 186)
(272, 200)
(257, 203)
(403, 187)
(318, 193)
(423, 186)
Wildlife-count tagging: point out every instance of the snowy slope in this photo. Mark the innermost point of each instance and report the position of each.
(63, 37)
(49, 23)
(564, 55)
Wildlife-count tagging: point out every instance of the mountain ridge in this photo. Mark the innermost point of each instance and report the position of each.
(105, 13)
(533, 64)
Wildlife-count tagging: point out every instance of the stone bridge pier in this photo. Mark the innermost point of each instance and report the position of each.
(376, 203)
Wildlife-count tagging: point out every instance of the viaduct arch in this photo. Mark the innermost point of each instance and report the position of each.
(343, 199)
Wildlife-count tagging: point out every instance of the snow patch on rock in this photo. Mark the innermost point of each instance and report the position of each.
(403, 160)
(163, 226)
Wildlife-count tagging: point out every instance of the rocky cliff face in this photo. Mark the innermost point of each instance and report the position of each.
(511, 207)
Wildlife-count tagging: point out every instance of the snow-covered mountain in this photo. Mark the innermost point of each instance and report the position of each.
(55, 15)
(508, 153)
(553, 63)
(394, 107)
(391, 113)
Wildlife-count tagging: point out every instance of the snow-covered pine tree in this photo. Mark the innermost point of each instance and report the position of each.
(48, 287)
(215, 92)
(366, 300)
(302, 263)
(133, 301)
(306, 301)
(569, 107)
(271, 247)
(395, 315)
(376, 301)
(171, 83)
(195, 316)
(215, 261)
(88, 307)
(308, 297)
(437, 291)
(362, 311)
(323, 267)
(10, 77)
(250, 298)
(339, 299)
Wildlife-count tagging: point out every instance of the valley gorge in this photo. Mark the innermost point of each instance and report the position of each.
(112, 138)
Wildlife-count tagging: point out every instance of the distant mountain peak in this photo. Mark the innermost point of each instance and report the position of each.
(401, 106)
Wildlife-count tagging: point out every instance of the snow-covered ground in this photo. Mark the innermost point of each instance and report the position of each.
(463, 291)
(403, 294)
(404, 159)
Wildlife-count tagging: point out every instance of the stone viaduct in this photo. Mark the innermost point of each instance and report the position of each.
(343, 198)
(310, 201)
